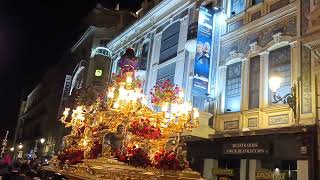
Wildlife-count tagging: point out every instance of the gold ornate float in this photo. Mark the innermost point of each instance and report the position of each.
(123, 137)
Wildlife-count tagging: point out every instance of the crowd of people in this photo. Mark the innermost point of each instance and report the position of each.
(19, 169)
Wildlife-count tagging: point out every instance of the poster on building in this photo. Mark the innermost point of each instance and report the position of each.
(203, 52)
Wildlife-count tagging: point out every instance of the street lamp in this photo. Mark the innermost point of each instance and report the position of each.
(290, 98)
(20, 146)
(20, 152)
(42, 140)
(12, 149)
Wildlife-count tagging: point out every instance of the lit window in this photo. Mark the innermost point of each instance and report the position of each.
(280, 65)
(169, 42)
(254, 82)
(237, 6)
(144, 56)
(98, 72)
(233, 88)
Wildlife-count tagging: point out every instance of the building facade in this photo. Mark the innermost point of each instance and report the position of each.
(251, 134)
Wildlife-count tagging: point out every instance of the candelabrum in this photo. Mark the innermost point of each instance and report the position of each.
(4, 144)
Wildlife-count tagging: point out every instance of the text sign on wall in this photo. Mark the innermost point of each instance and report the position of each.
(203, 52)
(245, 148)
(67, 85)
(267, 175)
(223, 172)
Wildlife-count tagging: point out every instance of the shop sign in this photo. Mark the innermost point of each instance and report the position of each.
(269, 175)
(223, 172)
(245, 148)
(203, 52)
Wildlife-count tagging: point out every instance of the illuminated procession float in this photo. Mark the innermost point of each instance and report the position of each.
(122, 137)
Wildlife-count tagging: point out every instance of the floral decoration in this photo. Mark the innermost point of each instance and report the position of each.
(71, 155)
(144, 129)
(167, 161)
(135, 157)
(164, 92)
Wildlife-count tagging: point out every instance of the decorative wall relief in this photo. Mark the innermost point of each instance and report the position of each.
(255, 15)
(316, 59)
(231, 125)
(310, 19)
(235, 25)
(306, 81)
(279, 5)
(252, 122)
(305, 10)
(263, 37)
(279, 119)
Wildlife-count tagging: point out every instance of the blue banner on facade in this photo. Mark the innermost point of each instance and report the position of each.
(203, 52)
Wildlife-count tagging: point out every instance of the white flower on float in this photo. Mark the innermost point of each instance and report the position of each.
(181, 94)
(85, 143)
(122, 93)
(66, 111)
(144, 100)
(174, 108)
(167, 115)
(129, 79)
(195, 113)
(188, 107)
(131, 96)
(116, 105)
(138, 92)
(164, 107)
(110, 92)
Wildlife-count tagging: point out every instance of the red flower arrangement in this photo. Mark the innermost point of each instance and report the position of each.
(71, 155)
(135, 157)
(96, 150)
(164, 92)
(144, 129)
(167, 161)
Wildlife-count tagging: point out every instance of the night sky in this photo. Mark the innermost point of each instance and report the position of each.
(33, 36)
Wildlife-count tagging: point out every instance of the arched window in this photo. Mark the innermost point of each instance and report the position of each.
(254, 82)
(280, 65)
(169, 42)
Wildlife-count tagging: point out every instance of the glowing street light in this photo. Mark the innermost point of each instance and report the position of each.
(290, 98)
(20, 146)
(12, 149)
(42, 140)
(274, 83)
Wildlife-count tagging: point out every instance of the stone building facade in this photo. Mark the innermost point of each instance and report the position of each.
(247, 134)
